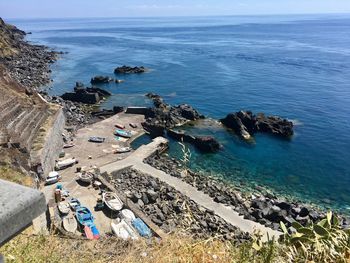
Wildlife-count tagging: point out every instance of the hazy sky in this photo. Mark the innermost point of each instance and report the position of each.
(115, 8)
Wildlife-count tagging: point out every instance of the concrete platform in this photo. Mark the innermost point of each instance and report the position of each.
(95, 154)
(19, 206)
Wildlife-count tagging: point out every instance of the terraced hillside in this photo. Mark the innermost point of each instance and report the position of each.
(30, 128)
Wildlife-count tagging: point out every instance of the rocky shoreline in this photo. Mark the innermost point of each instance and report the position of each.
(171, 210)
(27, 63)
(264, 208)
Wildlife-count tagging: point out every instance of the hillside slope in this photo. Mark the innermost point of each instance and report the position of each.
(25, 117)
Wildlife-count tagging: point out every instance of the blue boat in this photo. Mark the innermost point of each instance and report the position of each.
(86, 219)
(84, 216)
(141, 227)
(122, 133)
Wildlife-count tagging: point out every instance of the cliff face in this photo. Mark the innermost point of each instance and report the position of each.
(26, 119)
(9, 40)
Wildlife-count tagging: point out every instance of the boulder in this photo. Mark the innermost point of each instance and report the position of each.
(101, 80)
(274, 125)
(233, 122)
(206, 144)
(188, 112)
(83, 97)
(129, 70)
(245, 124)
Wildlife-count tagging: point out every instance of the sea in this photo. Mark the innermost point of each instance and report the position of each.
(295, 66)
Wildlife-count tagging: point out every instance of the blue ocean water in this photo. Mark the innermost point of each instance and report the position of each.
(297, 67)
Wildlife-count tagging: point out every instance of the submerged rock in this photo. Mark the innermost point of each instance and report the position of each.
(101, 80)
(130, 70)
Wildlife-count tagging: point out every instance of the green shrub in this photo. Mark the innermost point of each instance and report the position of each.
(325, 241)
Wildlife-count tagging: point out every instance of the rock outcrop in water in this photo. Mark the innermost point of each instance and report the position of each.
(101, 80)
(88, 95)
(130, 70)
(164, 116)
(245, 124)
(206, 144)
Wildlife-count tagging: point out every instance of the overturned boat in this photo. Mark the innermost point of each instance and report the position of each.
(123, 150)
(123, 230)
(127, 215)
(141, 228)
(52, 178)
(112, 201)
(68, 145)
(69, 223)
(64, 208)
(65, 163)
(97, 139)
(120, 126)
(122, 133)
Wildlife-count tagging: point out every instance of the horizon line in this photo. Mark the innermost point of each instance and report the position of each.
(172, 16)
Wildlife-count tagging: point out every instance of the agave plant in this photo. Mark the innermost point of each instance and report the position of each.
(325, 241)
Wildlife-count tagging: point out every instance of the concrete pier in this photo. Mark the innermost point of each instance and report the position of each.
(135, 161)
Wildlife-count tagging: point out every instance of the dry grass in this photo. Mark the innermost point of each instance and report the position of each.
(30, 248)
(9, 174)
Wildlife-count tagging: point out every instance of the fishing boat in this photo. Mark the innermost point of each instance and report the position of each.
(112, 201)
(68, 145)
(133, 125)
(123, 230)
(64, 208)
(52, 178)
(84, 216)
(127, 215)
(120, 126)
(74, 203)
(123, 150)
(69, 223)
(122, 133)
(86, 177)
(86, 219)
(141, 227)
(97, 139)
(65, 163)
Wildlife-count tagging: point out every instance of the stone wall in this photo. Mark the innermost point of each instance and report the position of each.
(52, 146)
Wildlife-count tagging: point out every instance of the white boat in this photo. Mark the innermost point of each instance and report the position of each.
(123, 150)
(69, 223)
(123, 230)
(52, 178)
(64, 208)
(86, 177)
(112, 201)
(127, 215)
(65, 163)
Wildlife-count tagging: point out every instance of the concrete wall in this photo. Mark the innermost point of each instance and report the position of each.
(19, 206)
(53, 145)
